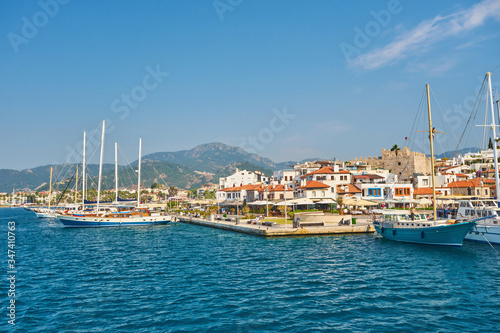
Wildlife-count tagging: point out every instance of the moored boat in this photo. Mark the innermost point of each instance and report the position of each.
(113, 216)
(416, 228)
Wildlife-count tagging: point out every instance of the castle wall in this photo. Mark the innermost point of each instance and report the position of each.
(403, 163)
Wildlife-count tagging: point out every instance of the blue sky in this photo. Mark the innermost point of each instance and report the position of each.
(285, 79)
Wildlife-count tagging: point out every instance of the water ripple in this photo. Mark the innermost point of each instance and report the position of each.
(184, 278)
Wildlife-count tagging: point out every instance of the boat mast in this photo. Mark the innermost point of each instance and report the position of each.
(431, 138)
(116, 171)
(493, 128)
(139, 176)
(76, 182)
(50, 187)
(84, 178)
(100, 165)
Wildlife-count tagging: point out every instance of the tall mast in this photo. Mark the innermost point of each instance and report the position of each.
(100, 165)
(431, 138)
(50, 187)
(139, 176)
(116, 171)
(76, 182)
(493, 128)
(84, 178)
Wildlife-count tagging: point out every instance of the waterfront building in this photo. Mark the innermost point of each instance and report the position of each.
(243, 177)
(479, 187)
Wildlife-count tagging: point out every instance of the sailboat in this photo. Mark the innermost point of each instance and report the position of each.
(47, 212)
(485, 211)
(416, 228)
(114, 216)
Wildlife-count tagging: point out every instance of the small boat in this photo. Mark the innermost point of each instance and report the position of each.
(47, 212)
(417, 228)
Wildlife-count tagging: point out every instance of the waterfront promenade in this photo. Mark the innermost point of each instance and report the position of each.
(362, 226)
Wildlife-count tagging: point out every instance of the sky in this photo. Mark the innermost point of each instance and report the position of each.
(287, 80)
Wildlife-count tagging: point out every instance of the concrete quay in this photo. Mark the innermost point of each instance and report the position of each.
(281, 230)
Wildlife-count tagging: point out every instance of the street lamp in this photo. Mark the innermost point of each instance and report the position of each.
(267, 201)
(286, 222)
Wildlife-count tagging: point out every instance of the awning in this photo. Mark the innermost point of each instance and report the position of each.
(360, 203)
(258, 203)
(295, 202)
(326, 202)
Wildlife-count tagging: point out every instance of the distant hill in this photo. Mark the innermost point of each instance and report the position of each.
(184, 169)
(211, 157)
(449, 154)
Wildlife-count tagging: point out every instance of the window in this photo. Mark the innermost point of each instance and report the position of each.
(282, 196)
(332, 177)
(313, 193)
(322, 193)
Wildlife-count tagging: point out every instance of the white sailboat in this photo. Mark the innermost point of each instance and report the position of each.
(47, 212)
(115, 216)
(416, 228)
(486, 212)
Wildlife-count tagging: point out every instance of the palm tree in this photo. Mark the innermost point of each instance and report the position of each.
(172, 190)
(395, 148)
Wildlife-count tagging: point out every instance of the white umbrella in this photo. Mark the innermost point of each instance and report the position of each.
(258, 203)
(325, 201)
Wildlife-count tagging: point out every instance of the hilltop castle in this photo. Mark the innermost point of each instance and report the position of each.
(403, 163)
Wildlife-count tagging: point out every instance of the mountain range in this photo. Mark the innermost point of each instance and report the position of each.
(187, 169)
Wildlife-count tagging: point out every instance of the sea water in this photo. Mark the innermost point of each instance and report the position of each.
(185, 278)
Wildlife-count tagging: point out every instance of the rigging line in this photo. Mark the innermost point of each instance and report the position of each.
(494, 69)
(441, 116)
(485, 122)
(417, 116)
(474, 133)
(159, 177)
(470, 117)
(62, 194)
(126, 168)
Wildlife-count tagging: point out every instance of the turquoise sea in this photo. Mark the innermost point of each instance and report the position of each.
(185, 278)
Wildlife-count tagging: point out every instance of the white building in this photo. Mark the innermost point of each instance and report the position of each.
(243, 177)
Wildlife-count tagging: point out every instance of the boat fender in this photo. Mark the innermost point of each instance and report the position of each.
(394, 231)
(382, 229)
(422, 234)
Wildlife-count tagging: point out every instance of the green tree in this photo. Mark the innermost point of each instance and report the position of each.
(172, 190)
(395, 148)
(490, 144)
(154, 185)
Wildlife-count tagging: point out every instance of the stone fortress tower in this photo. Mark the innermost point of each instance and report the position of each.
(403, 163)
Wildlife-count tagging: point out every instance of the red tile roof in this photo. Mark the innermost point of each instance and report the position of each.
(424, 191)
(476, 182)
(314, 184)
(350, 189)
(325, 170)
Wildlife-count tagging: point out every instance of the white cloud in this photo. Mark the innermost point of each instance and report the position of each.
(428, 33)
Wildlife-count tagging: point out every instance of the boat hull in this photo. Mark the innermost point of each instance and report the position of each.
(484, 233)
(448, 235)
(45, 215)
(96, 222)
